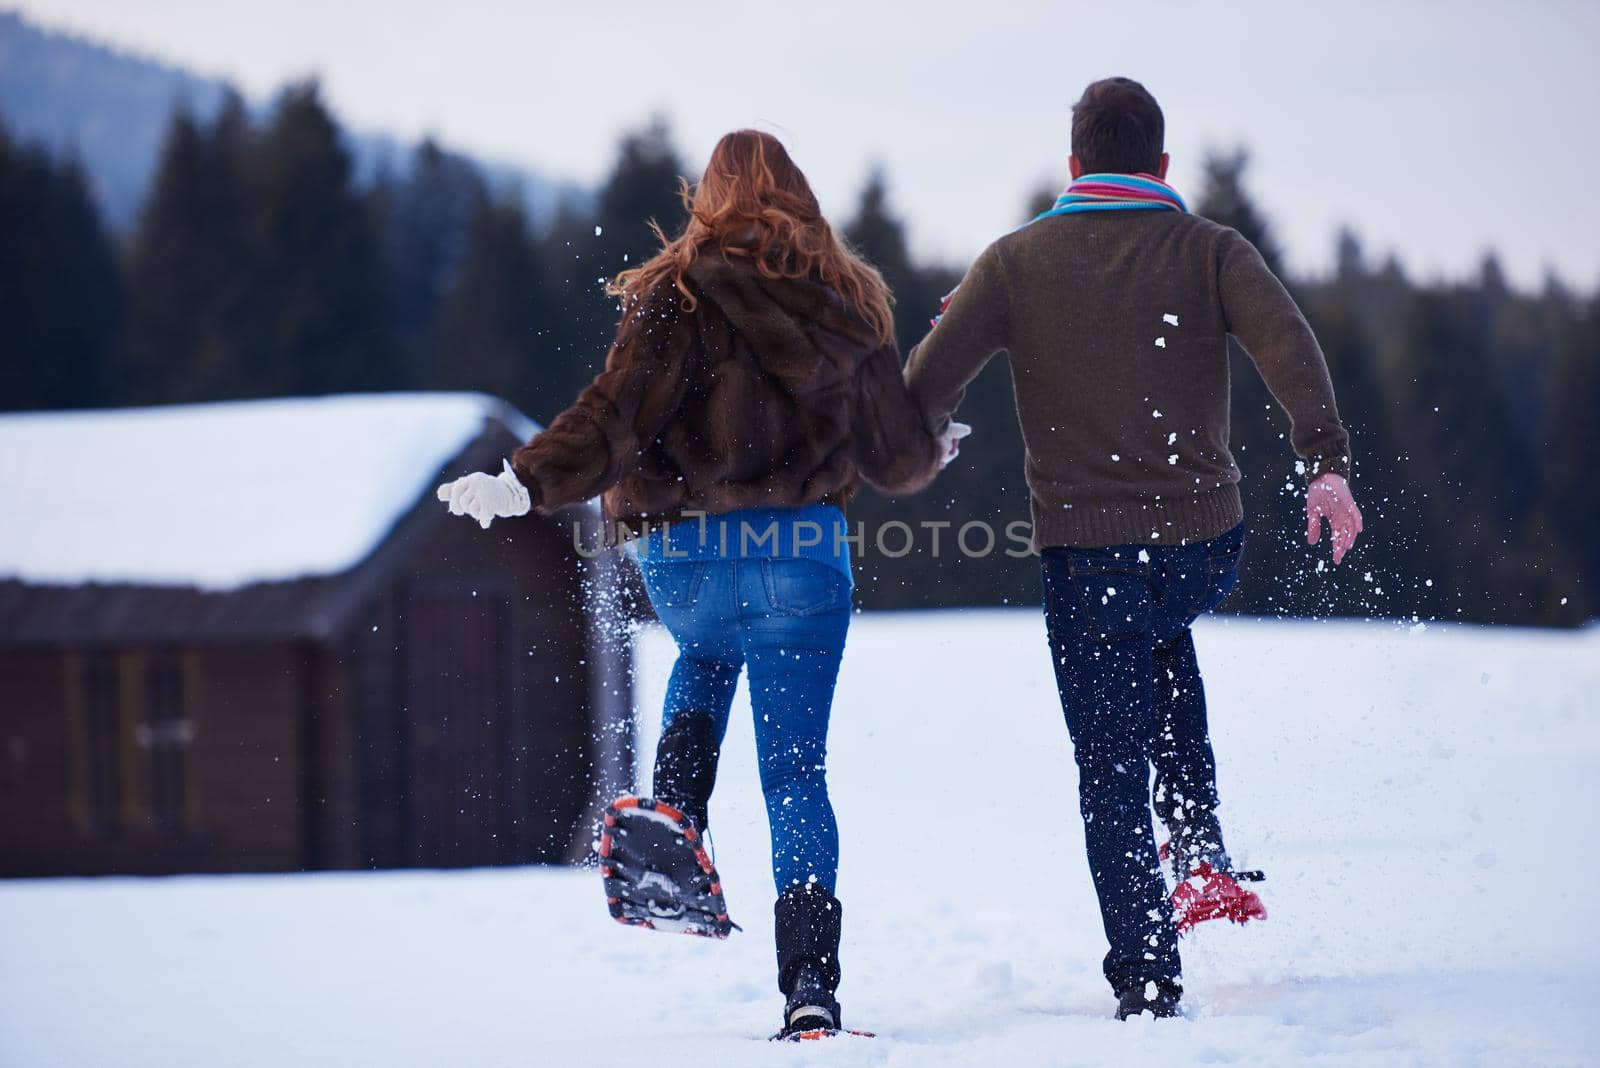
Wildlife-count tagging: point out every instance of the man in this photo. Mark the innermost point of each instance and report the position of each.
(1115, 307)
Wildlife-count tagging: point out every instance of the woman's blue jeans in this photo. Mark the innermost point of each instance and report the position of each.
(785, 620)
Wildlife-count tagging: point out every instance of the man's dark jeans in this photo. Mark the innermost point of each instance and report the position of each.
(1130, 688)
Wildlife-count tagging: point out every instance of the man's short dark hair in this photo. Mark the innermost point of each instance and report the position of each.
(1117, 128)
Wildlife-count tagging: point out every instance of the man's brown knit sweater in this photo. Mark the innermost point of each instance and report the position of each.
(1116, 323)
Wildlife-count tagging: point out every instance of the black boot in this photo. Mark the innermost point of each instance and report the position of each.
(686, 765)
(807, 925)
(1159, 999)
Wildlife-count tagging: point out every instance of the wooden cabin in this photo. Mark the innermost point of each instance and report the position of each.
(248, 637)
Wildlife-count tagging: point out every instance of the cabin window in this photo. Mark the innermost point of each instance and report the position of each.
(165, 736)
(102, 723)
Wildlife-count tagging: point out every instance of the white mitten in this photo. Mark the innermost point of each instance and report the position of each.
(486, 497)
(950, 442)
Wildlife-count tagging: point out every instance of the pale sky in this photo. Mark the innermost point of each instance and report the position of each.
(1437, 130)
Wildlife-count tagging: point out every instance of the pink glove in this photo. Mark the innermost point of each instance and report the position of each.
(1330, 498)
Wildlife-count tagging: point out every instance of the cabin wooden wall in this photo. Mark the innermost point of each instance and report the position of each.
(458, 713)
(36, 802)
(109, 770)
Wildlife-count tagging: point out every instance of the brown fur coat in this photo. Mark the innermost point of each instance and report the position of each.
(770, 393)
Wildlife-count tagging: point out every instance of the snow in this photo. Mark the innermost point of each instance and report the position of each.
(1417, 801)
(222, 495)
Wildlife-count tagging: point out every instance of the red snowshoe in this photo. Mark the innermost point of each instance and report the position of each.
(1208, 894)
(816, 1034)
(657, 872)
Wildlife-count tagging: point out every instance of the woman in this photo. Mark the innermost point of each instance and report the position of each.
(754, 379)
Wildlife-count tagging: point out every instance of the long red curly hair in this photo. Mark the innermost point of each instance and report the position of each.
(753, 203)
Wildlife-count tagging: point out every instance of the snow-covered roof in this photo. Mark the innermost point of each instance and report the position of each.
(220, 496)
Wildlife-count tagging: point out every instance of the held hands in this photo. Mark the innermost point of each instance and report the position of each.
(486, 497)
(1330, 498)
(950, 442)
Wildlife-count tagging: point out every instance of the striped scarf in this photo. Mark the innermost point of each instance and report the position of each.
(1116, 192)
(1102, 192)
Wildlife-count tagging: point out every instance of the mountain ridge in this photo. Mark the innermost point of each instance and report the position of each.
(110, 107)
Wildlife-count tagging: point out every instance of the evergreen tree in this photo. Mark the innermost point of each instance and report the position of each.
(1572, 448)
(985, 485)
(1350, 266)
(1259, 437)
(878, 235)
(491, 322)
(426, 220)
(1477, 485)
(318, 298)
(586, 247)
(59, 286)
(1390, 503)
(1224, 199)
(1525, 335)
(188, 269)
(643, 188)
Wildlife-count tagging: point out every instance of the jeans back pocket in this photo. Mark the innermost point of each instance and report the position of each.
(1222, 574)
(803, 587)
(672, 585)
(1113, 595)
(1222, 570)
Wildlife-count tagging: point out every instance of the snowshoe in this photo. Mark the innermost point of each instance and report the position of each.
(657, 872)
(816, 1033)
(1208, 894)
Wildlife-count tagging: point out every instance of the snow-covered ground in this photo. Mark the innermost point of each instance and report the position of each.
(1416, 798)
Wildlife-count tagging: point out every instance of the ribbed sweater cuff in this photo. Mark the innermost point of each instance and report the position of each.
(1097, 524)
(1318, 466)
